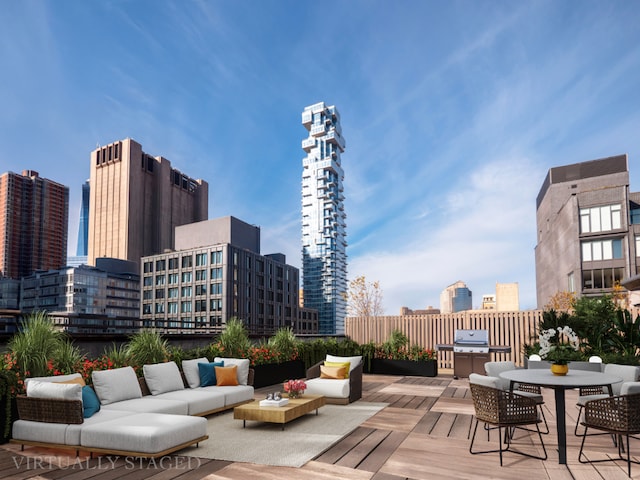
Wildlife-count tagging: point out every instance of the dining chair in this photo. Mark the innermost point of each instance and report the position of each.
(619, 416)
(494, 369)
(628, 373)
(502, 409)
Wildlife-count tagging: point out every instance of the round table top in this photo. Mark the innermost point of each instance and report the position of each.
(573, 379)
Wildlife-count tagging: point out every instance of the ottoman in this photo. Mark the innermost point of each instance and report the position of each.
(144, 434)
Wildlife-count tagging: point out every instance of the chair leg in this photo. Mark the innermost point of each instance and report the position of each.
(544, 418)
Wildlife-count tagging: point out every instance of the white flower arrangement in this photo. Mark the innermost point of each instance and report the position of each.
(558, 352)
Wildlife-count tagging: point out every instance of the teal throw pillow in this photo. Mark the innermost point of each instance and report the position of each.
(208, 373)
(90, 402)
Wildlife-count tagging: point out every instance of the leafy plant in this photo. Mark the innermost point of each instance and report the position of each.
(117, 355)
(147, 347)
(285, 343)
(68, 358)
(35, 344)
(234, 340)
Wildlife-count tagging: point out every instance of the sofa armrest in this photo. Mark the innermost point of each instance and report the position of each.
(50, 410)
(314, 370)
(251, 376)
(144, 388)
(355, 383)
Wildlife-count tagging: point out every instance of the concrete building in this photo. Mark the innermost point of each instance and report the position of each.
(136, 201)
(215, 274)
(88, 300)
(489, 301)
(404, 311)
(34, 217)
(456, 298)
(324, 257)
(507, 297)
(588, 229)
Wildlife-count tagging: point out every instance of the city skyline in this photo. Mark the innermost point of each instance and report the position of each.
(454, 114)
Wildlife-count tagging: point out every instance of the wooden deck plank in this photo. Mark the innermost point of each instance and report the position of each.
(381, 454)
(357, 454)
(344, 446)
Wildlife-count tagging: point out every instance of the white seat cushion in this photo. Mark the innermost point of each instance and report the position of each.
(234, 394)
(328, 387)
(149, 403)
(144, 432)
(72, 435)
(198, 400)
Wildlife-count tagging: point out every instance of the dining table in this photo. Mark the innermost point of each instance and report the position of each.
(560, 383)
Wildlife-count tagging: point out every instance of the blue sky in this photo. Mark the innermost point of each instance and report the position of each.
(453, 112)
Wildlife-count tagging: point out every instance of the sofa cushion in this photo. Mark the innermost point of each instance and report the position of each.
(40, 431)
(145, 432)
(163, 377)
(328, 387)
(353, 361)
(338, 373)
(234, 395)
(345, 365)
(191, 372)
(72, 435)
(90, 402)
(243, 367)
(61, 391)
(198, 400)
(150, 404)
(208, 373)
(116, 385)
(79, 380)
(227, 376)
(54, 378)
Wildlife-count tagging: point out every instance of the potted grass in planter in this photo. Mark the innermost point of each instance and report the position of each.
(396, 357)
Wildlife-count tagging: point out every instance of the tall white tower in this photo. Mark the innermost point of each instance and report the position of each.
(324, 257)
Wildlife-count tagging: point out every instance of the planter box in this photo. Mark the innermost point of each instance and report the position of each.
(427, 368)
(277, 373)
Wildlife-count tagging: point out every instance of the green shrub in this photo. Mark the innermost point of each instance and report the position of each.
(147, 347)
(35, 345)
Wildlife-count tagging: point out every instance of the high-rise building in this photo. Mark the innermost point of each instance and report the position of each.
(34, 215)
(136, 201)
(83, 225)
(456, 298)
(324, 257)
(98, 300)
(588, 229)
(215, 274)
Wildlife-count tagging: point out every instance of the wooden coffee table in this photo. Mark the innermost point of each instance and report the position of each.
(296, 408)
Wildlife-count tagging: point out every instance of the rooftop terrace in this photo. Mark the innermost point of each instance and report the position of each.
(421, 434)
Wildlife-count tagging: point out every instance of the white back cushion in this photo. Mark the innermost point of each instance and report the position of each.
(354, 361)
(116, 385)
(243, 367)
(484, 380)
(61, 391)
(163, 377)
(191, 372)
(56, 378)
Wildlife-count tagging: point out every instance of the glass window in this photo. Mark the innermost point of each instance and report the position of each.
(201, 275)
(173, 263)
(160, 279)
(172, 307)
(600, 219)
(201, 259)
(185, 292)
(172, 292)
(634, 215)
(187, 261)
(160, 265)
(186, 277)
(148, 267)
(185, 307)
(173, 278)
(148, 281)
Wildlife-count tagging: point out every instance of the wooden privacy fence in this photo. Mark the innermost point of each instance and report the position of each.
(514, 329)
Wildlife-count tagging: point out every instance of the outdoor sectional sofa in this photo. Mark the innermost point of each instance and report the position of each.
(151, 416)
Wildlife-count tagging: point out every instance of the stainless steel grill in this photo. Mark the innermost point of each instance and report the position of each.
(471, 341)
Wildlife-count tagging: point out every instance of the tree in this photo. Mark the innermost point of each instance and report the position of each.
(561, 301)
(364, 299)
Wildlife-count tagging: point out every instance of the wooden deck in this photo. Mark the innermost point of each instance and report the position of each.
(421, 434)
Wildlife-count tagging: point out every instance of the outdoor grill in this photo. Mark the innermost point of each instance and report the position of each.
(471, 341)
(470, 352)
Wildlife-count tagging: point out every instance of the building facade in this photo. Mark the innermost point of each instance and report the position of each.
(456, 298)
(324, 257)
(88, 300)
(218, 274)
(34, 216)
(588, 229)
(136, 201)
(82, 249)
